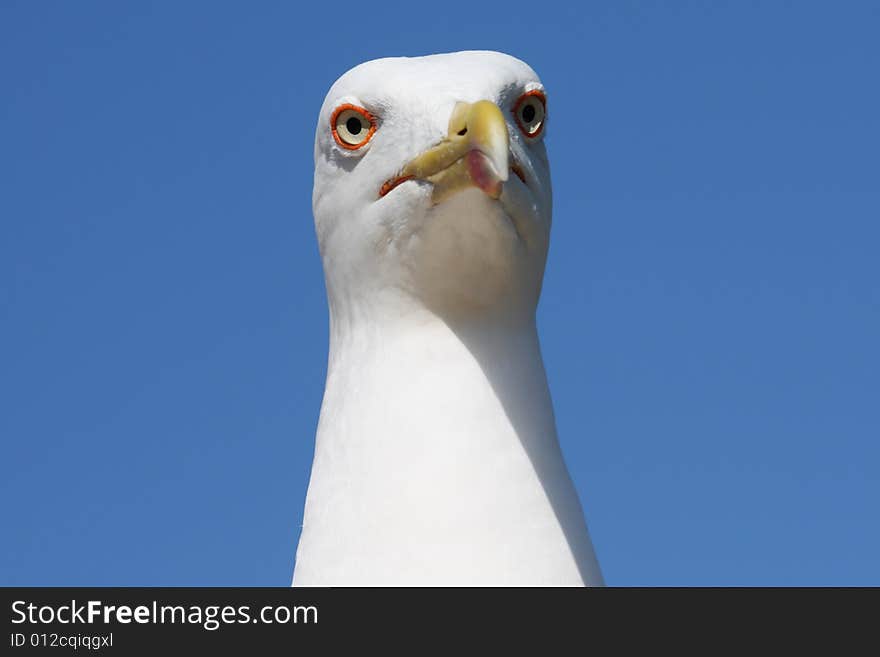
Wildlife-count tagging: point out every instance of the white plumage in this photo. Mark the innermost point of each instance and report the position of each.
(436, 459)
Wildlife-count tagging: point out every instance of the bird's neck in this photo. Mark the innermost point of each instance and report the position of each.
(437, 457)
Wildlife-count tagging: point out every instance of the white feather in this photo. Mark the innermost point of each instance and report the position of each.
(436, 459)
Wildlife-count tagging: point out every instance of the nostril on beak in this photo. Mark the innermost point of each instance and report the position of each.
(463, 131)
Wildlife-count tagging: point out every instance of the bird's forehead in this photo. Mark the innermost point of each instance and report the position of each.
(466, 76)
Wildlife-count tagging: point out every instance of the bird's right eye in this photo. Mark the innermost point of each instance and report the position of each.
(352, 126)
(530, 112)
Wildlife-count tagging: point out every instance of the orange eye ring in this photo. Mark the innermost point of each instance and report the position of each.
(538, 122)
(342, 115)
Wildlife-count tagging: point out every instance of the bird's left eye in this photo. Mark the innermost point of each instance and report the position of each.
(530, 111)
(352, 126)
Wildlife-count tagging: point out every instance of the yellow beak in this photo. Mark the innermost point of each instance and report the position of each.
(474, 153)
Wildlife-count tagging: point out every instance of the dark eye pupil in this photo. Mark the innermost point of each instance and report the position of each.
(353, 125)
(528, 113)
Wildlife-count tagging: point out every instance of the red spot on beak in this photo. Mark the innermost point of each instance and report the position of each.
(483, 173)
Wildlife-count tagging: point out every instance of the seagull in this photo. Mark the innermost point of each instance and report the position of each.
(436, 460)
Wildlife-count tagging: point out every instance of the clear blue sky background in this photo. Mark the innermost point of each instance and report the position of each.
(710, 317)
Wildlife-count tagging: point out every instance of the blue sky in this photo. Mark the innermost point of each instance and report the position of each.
(710, 317)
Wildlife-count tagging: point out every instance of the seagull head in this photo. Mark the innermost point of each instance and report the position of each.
(432, 185)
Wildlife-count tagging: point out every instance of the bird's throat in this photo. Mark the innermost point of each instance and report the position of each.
(437, 462)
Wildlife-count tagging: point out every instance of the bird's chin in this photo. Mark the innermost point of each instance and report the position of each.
(514, 197)
(469, 256)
